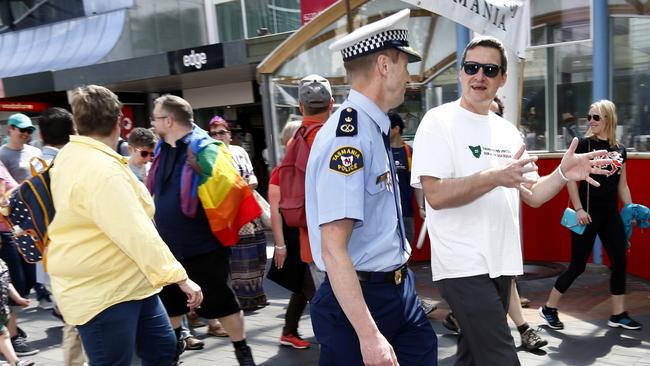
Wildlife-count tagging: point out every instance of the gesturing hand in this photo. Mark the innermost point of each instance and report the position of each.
(512, 175)
(578, 166)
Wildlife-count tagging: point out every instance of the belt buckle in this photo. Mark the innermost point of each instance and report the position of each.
(398, 276)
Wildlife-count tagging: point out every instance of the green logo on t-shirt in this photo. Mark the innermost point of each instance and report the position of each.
(476, 150)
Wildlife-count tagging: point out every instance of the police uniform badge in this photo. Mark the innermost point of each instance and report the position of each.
(347, 123)
(346, 160)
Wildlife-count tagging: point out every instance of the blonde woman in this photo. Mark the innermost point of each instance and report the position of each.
(597, 207)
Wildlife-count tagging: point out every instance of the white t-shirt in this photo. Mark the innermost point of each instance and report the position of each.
(483, 236)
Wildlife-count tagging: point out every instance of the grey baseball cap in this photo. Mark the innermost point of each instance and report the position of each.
(314, 91)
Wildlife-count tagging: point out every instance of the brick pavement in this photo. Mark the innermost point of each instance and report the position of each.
(586, 340)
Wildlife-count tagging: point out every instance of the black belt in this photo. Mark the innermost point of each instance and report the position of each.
(397, 276)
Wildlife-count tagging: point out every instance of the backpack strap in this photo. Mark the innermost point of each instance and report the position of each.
(407, 148)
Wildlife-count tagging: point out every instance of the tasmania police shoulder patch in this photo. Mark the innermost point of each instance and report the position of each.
(347, 123)
(346, 160)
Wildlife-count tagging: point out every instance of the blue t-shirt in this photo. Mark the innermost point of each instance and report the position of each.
(404, 179)
(185, 236)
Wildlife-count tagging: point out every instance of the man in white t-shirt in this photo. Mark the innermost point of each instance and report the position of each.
(473, 168)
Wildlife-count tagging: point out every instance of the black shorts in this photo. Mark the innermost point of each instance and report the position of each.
(211, 271)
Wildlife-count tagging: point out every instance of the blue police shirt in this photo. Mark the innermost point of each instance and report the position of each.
(349, 177)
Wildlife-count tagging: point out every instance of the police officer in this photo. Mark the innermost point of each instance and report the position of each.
(366, 311)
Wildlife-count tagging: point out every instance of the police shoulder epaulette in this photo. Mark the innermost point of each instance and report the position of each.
(347, 122)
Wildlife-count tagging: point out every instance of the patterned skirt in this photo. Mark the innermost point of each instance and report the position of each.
(247, 266)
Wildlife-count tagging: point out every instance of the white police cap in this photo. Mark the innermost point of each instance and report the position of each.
(390, 32)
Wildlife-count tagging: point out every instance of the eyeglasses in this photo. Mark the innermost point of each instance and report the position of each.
(489, 70)
(145, 153)
(153, 118)
(594, 116)
(219, 133)
(28, 130)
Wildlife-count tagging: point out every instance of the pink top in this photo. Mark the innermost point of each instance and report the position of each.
(9, 183)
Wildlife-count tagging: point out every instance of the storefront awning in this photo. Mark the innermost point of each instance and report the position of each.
(63, 45)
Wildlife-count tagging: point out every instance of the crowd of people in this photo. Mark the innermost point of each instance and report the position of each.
(130, 280)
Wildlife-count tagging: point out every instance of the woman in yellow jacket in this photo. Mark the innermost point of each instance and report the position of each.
(106, 259)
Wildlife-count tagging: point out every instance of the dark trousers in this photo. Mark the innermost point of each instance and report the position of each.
(111, 337)
(607, 224)
(480, 304)
(297, 304)
(23, 274)
(395, 309)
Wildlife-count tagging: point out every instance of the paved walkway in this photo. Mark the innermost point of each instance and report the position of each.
(586, 339)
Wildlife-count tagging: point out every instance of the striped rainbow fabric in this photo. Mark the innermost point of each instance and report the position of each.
(227, 200)
(208, 176)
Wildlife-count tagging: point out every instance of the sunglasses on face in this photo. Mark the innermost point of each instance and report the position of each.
(219, 133)
(25, 130)
(489, 70)
(145, 153)
(594, 116)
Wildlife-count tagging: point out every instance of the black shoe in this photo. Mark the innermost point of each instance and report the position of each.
(624, 321)
(451, 323)
(551, 318)
(244, 356)
(180, 348)
(22, 348)
(20, 333)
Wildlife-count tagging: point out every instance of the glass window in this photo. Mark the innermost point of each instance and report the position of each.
(557, 21)
(229, 21)
(533, 105)
(271, 16)
(631, 80)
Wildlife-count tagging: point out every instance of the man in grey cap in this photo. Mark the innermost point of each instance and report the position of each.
(366, 311)
(316, 104)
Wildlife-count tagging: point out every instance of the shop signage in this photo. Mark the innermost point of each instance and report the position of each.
(310, 8)
(196, 59)
(14, 106)
(506, 20)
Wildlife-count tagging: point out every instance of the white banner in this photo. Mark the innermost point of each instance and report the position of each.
(506, 20)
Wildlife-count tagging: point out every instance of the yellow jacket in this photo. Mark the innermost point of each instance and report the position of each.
(104, 247)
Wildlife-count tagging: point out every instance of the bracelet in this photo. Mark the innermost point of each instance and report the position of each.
(578, 209)
(280, 247)
(564, 178)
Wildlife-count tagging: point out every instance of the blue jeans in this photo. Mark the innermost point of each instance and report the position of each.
(142, 326)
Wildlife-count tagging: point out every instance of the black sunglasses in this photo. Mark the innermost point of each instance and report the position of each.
(489, 70)
(594, 116)
(25, 130)
(145, 153)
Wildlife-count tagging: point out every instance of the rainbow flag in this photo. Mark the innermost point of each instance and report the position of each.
(210, 176)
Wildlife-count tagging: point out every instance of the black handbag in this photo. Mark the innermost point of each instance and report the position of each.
(292, 274)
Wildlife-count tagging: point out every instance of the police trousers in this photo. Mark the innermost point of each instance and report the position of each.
(397, 312)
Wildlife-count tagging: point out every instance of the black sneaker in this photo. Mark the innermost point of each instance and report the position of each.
(531, 340)
(451, 323)
(624, 321)
(22, 348)
(20, 333)
(244, 356)
(551, 318)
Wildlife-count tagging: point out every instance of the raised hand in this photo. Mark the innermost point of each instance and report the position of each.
(578, 166)
(513, 174)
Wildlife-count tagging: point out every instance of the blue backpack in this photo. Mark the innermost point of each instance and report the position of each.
(29, 212)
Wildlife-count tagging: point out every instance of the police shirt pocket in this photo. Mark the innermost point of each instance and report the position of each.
(378, 183)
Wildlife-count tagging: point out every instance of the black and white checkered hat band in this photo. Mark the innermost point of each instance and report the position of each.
(385, 39)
